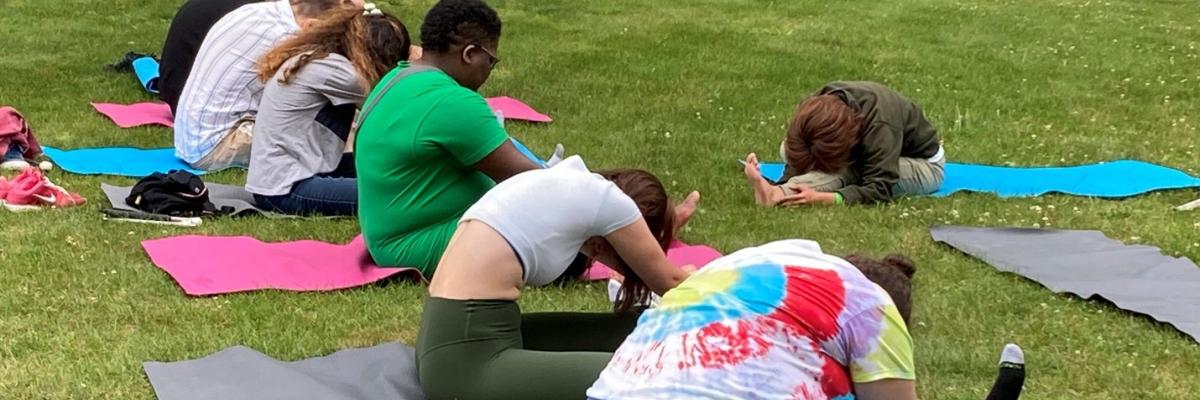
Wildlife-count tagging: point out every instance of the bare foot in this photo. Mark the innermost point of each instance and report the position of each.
(765, 194)
(685, 209)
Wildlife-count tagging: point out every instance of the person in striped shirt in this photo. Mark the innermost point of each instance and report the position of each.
(214, 118)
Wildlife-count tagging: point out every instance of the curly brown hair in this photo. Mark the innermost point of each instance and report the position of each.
(821, 135)
(893, 274)
(651, 198)
(374, 44)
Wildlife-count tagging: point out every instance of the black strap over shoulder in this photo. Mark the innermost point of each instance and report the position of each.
(412, 69)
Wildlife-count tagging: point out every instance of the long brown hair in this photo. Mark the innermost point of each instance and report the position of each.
(651, 198)
(893, 274)
(374, 44)
(314, 8)
(821, 135)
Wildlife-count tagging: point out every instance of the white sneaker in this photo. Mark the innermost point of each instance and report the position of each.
(557, 156)
(14, 165)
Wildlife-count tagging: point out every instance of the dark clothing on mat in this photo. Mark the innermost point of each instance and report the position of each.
(187, 31)
(892, 127)
(487, 349)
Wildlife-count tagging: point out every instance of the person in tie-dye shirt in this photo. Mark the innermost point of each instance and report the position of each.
(778, 321)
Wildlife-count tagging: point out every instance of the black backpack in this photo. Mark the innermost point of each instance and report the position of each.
(177, 193)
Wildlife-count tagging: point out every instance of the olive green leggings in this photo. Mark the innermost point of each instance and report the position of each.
(486, 349)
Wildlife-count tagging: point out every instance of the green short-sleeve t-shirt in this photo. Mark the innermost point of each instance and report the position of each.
(415, 154)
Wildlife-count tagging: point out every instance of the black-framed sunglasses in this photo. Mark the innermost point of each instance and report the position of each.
(494, 60)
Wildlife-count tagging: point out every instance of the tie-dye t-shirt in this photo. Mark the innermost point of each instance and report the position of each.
(778, 321)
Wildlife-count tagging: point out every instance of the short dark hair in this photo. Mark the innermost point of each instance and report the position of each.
(452, 22)
(893, 274)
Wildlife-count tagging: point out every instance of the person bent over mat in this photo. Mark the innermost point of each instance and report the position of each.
(474, 342)
(853, 143)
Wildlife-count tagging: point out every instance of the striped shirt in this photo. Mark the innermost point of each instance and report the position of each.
(223, 86)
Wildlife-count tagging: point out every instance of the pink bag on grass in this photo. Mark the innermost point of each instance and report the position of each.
(15, 131)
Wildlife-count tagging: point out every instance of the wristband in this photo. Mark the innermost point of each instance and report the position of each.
(837, 199)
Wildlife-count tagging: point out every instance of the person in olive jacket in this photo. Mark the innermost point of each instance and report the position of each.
(853, 143)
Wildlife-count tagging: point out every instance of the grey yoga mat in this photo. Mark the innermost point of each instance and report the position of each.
(221, 195)
(387, 371)
(1135, 278)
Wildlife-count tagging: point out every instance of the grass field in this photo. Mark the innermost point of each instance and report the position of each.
(683, 89)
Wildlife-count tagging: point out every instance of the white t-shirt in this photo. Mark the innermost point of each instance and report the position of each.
(547, 214)
(223, 85)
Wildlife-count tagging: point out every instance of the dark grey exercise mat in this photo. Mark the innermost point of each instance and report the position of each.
(1086, 263)
(387, 371)
(221, 195)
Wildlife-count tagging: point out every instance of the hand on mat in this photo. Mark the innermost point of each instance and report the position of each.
(805, 195)
(617, 277)
(689, 268)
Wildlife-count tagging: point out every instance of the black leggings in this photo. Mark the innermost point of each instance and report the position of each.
(487, 349)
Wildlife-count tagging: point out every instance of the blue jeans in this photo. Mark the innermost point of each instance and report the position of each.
(323, 195)
(333, 193)
(15, 152)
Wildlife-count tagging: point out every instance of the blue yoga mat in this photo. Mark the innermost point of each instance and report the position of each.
(1117, 179)
(528, 153)
(123, 161)
(146, 69)
(128, 161)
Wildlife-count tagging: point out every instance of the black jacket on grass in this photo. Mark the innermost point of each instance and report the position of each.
(892, 127)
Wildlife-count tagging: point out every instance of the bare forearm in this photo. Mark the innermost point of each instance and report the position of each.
(887, 389)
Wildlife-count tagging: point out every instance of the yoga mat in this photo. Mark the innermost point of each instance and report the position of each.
(387, 371)
(679, 253)
(1117, 179)
(210, 265)
(121, 161)
(1135, 278)
(528, 153)
(138, 163)
(128, 116)
(514, 109)
(146, 69)
(219, 194)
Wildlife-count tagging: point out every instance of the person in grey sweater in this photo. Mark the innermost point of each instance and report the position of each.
(314, 83)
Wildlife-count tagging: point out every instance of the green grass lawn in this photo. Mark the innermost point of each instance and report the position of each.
(682, 89)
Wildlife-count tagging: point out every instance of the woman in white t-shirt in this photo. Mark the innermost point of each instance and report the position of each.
(474, 343)
(314, 84)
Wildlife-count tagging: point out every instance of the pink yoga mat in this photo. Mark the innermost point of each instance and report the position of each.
(515, 109)
(128, 116)
(209, 265)
(679, 253)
